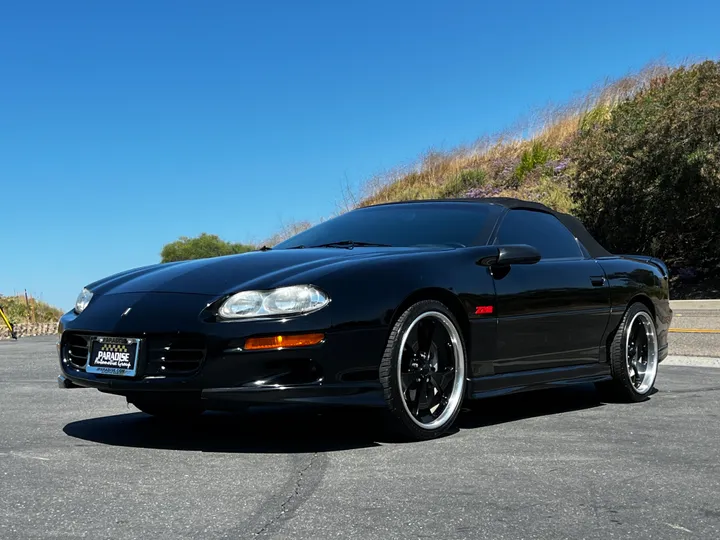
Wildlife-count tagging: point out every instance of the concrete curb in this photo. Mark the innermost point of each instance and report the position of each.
(694, 305)
(695, 361)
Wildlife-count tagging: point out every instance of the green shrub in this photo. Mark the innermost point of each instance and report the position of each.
(461, 183)
(556, 195)
(648, 178)
(537, 154)
(595, 116)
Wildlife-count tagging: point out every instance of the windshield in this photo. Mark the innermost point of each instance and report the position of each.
(445, 224)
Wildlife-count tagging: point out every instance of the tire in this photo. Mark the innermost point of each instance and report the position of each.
(424, 387)
(170, 410)
(633, 365)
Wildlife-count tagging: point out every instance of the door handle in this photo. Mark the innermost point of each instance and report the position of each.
(597, 281)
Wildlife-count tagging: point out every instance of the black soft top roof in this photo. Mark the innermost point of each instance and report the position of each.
(572, 223)
(507, 202)
(581, 233)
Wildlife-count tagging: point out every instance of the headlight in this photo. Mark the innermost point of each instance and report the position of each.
(294, 300)
(83, 300)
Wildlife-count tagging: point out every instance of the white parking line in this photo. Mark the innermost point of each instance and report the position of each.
(24, 456)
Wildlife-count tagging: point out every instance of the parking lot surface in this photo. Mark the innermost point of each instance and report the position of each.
(551, 464)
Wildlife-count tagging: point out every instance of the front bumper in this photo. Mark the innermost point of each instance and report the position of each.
(343, 369)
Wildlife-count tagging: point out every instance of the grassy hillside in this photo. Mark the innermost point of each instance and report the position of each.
(534, 161)
(18, 311)
(636, 159)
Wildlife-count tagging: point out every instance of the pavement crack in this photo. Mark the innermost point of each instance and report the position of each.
(678, 527)
(289, 504)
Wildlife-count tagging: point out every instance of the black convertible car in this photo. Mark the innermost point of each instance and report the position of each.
(412, 306)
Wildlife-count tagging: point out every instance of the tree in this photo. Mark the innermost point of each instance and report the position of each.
(648, 178)
(201, 247)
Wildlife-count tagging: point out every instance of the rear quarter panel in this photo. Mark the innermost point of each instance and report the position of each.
(632, 280)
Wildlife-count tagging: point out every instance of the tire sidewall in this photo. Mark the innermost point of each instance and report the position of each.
(392, 386)
(620, 353)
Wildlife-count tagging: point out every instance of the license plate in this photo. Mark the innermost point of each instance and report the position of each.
(114, 356)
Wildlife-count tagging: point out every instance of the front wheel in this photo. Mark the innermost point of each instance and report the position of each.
(634, 356)
(423, 371)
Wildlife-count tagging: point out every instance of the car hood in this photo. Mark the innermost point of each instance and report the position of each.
(257, 269)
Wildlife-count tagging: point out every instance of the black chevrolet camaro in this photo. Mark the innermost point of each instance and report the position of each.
(413, 307)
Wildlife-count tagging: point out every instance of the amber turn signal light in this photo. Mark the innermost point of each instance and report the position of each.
(283, 342)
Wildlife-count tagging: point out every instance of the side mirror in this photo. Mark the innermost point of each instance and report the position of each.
(512, 254)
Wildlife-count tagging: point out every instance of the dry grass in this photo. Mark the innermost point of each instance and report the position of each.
(505, 164)
(18, 310)
(553, 128)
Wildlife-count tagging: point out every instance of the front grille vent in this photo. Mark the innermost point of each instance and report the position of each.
(76, 350)
(174, 355)
(159, 355)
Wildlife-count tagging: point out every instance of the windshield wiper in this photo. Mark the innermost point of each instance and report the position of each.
(349, 244)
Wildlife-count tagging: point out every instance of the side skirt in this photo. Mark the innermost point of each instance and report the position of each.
(539, 379)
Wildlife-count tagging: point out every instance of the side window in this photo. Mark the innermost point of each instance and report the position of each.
(540, 230)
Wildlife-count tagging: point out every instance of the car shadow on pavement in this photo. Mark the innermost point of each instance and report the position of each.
(258, 430)
(501, 410)
(282, 430)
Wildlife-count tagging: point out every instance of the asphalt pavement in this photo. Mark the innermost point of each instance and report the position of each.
(551, 464)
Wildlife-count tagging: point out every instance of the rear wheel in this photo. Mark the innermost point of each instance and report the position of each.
(423, 371)
(634, 356)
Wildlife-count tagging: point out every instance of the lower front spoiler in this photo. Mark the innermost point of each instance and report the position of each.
(364, 394)
(359, 394)
(65, 383)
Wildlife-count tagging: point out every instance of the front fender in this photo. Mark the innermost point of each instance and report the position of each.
(370, 292)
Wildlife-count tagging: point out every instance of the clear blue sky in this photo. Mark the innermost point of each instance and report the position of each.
(124, 125)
